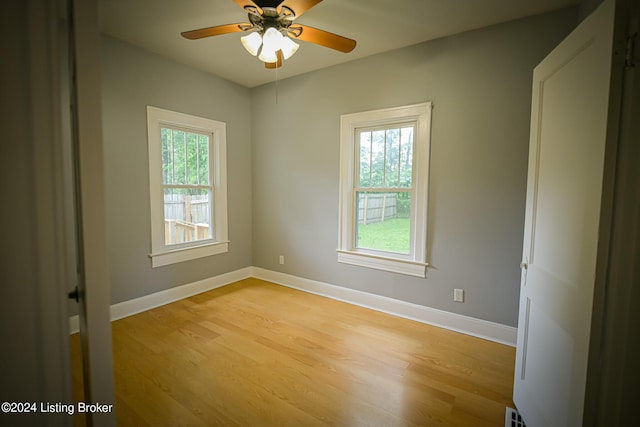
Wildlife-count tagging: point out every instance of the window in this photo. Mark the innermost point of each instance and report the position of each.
(384, 171)
(188, 191)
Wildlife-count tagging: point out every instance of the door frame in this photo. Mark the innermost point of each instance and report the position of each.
(94, 286)
(613, 373)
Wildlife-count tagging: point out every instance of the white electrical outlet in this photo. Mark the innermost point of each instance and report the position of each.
(281, 260)
(458, 295)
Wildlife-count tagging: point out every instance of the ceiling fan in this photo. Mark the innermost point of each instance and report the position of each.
(271, 28)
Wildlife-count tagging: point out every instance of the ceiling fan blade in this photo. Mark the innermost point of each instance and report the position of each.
(300, 6)
(213, 31)
(323, 38)
(272, 65)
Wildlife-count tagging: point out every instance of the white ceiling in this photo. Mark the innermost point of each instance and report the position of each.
(377, 26)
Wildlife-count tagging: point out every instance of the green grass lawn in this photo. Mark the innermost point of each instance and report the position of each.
(393, 235)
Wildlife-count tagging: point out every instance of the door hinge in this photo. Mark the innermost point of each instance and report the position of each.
(74, 294)
(630, 51)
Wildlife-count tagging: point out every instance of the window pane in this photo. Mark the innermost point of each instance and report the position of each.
(167, 155)
(203, 156)
(377, 161)
(365, 159)
(392, 157)
(185, 157)
(382, 221)
(187, 215)
(385, 158)
(192, 158)
(406, 156)
(179, 157)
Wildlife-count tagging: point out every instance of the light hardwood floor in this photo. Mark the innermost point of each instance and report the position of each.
(257, 354)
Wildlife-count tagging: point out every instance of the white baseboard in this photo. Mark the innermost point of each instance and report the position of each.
(147, 302)
(456, 322)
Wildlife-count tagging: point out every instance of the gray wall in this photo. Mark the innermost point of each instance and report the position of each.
(132, 79)
(480, 84)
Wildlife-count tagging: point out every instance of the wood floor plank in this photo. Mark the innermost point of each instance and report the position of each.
(258, 354)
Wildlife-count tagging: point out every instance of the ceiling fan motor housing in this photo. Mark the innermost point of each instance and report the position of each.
(271, 18)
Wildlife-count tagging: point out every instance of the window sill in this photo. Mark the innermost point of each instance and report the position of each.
(189, 253)
(393, 265)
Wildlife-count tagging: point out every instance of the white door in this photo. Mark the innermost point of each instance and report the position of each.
(566, 156)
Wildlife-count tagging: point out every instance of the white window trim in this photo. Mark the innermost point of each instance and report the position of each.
(414, 264)
(162, 254)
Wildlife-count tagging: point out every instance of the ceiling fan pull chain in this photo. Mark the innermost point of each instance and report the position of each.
(277, 84)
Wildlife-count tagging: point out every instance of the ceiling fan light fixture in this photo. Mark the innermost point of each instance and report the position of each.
(267, 55)
(288, 47)
(252, 43)
(272, 39)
